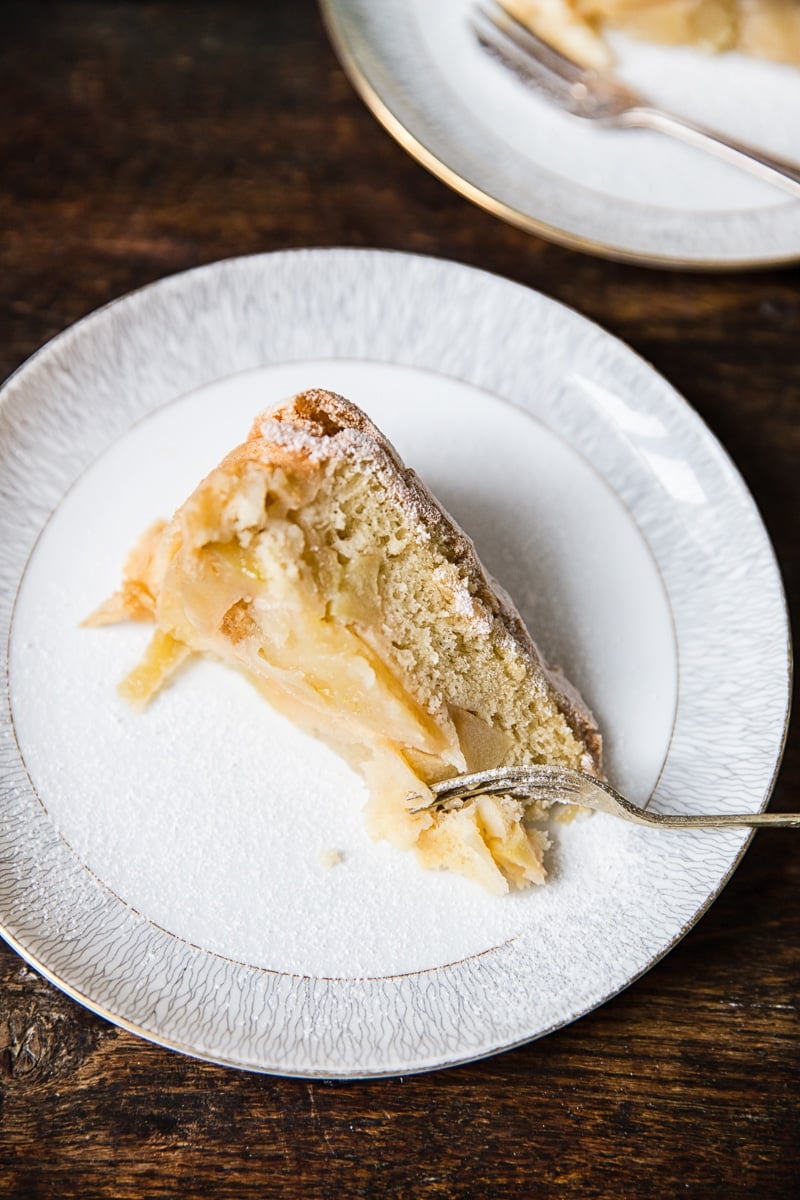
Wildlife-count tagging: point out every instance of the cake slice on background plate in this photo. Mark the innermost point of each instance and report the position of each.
(764, 28)
(312, 559)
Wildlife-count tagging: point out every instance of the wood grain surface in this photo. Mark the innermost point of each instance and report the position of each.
(139, 139)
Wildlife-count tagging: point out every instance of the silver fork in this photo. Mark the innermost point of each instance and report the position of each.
(562, 786)
(598, 97)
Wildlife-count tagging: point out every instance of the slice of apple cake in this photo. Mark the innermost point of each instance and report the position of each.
(312, 559)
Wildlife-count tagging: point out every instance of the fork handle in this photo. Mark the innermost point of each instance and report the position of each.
(770, 820)
(772, 170)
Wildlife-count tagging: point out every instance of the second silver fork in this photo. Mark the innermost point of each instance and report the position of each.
(598, 97)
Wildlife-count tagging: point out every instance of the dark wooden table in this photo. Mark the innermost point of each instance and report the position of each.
(138, 139)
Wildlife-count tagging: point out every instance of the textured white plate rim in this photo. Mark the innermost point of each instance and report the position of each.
(419, 1068)
(385, 101)
(58, 344)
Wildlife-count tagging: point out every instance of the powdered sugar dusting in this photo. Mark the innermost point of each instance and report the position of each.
(280, 433)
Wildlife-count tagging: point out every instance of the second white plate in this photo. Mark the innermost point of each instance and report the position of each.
(627, 194)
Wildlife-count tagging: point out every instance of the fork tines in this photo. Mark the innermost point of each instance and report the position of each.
(518, 47)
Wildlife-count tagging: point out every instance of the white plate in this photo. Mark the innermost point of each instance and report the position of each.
(166, 868)
(628, 194)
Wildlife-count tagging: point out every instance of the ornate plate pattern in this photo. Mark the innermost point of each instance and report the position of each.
(697, 580)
